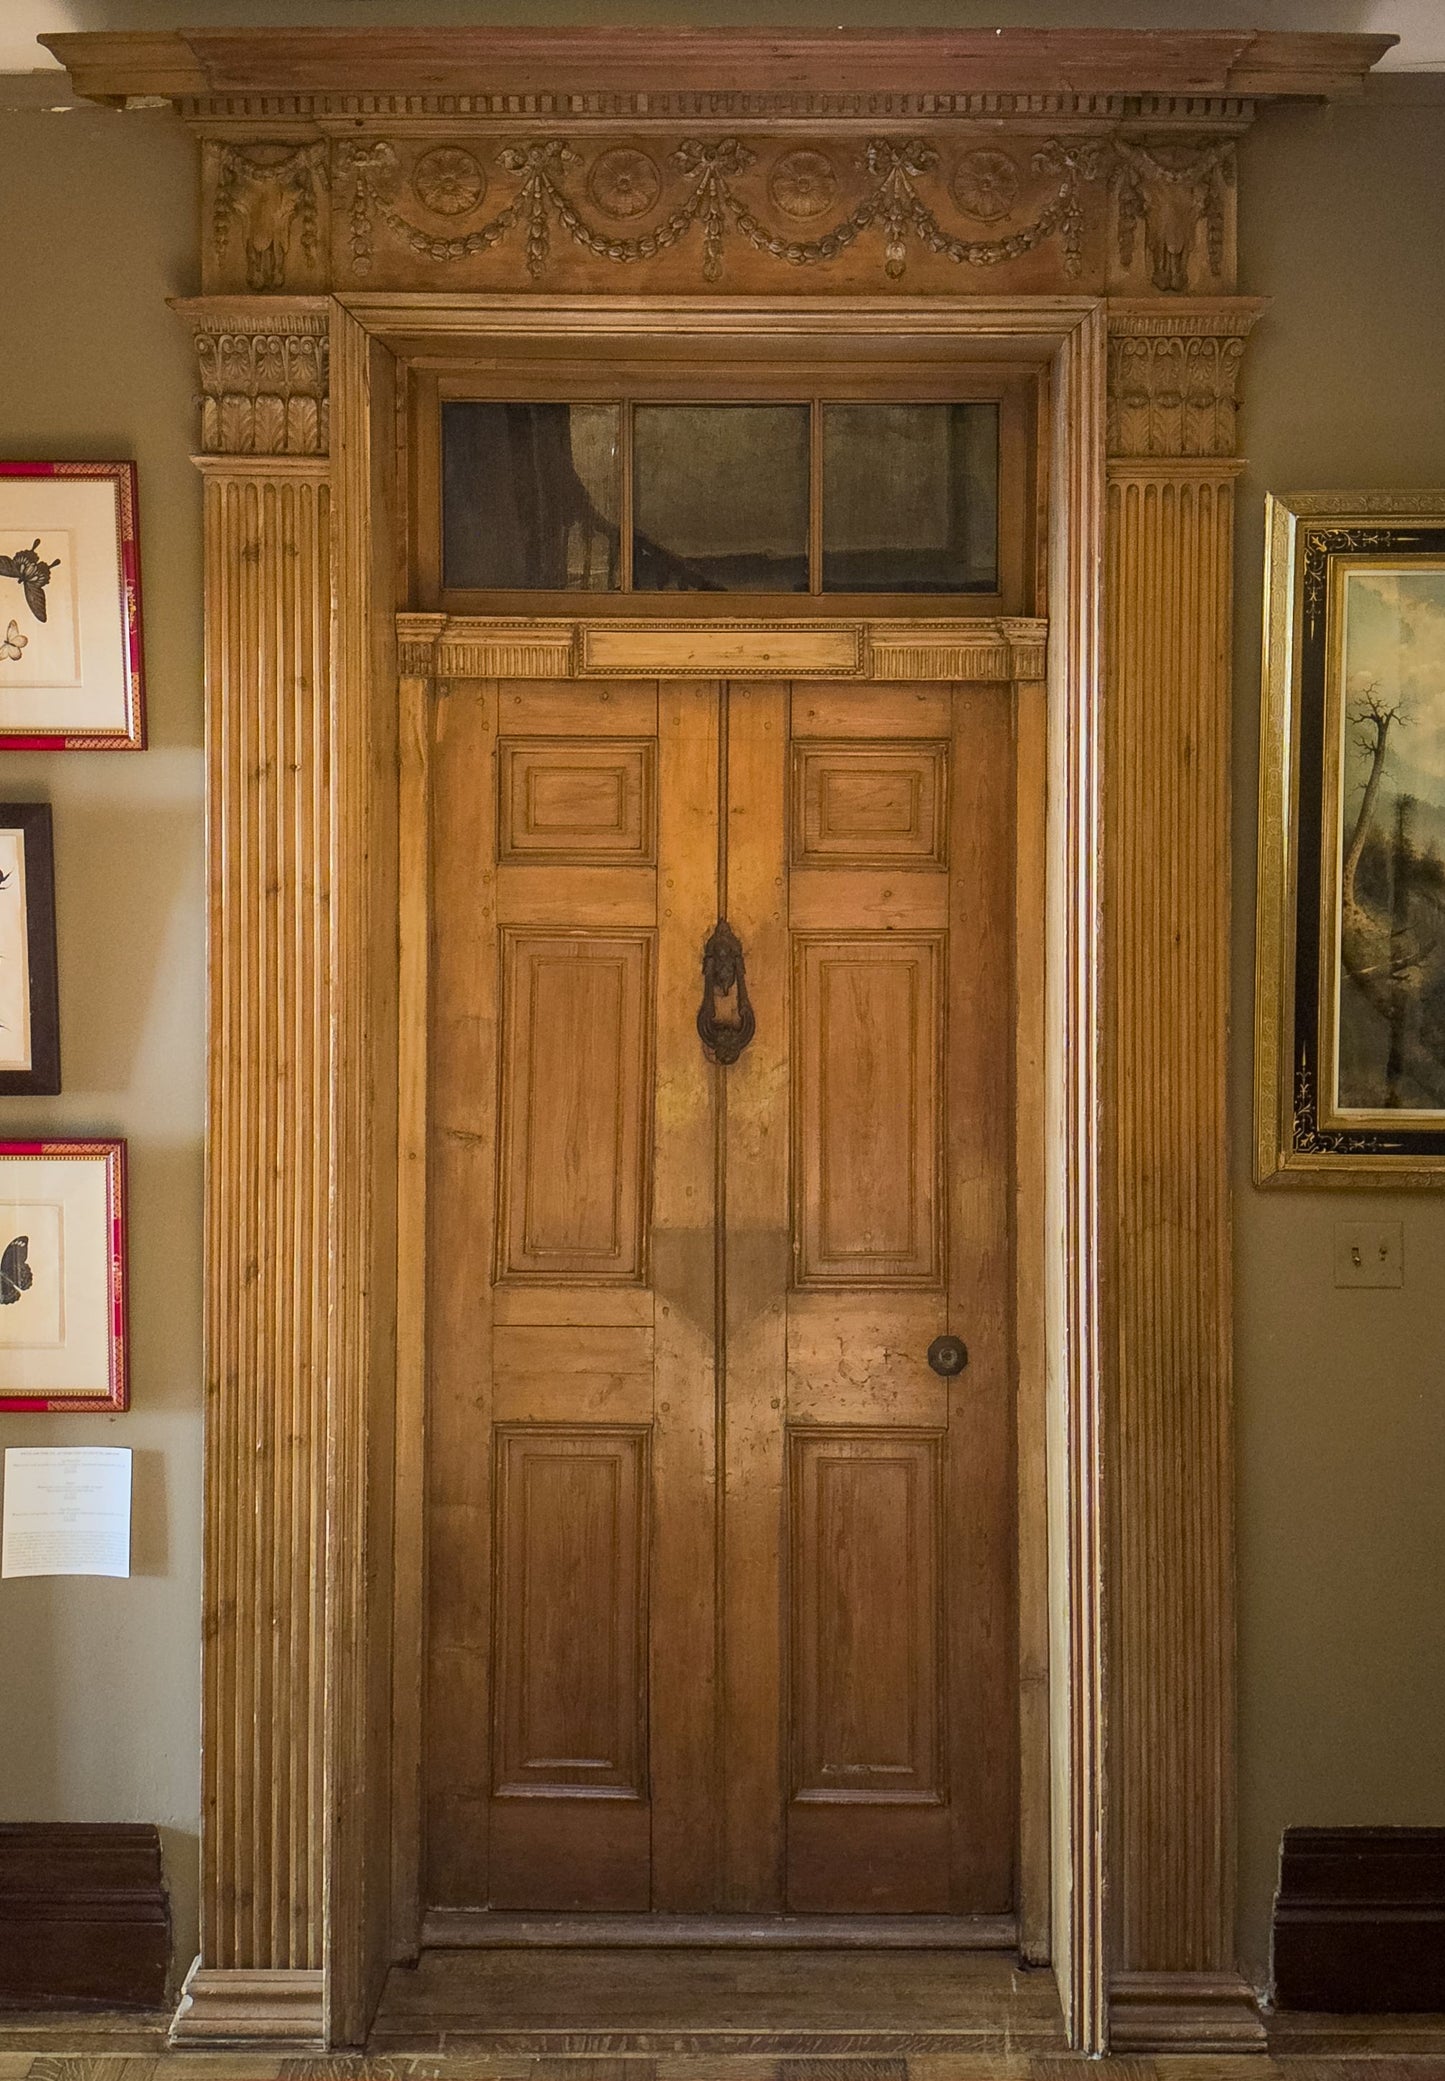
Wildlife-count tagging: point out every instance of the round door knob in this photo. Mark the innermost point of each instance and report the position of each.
(948, 1355)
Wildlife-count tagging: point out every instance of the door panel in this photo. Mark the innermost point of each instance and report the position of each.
(576, 1091)
(721, 1605)
(866, 1044)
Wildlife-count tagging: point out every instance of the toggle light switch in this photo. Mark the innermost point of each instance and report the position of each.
(1369, 1253)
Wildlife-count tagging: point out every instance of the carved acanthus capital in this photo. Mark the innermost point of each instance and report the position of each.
(1174, 375)
(264, 377)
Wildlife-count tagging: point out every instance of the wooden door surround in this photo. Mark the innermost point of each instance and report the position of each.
(374, 198)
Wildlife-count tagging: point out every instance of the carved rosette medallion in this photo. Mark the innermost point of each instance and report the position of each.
(448, 181)
(985, 185)
(624, 183)
(802, 184)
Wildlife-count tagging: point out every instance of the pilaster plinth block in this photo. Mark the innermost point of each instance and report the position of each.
(278, 2009)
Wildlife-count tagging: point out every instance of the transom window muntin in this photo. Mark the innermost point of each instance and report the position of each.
(760, 498)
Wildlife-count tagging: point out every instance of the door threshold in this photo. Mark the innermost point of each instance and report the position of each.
(485, 1929)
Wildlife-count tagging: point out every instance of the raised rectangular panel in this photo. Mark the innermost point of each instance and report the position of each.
(868, 1111)
(571, 1632)
(870, 805)
(723, 650)
(577, 802)
(866, 1661)
(576, 1083)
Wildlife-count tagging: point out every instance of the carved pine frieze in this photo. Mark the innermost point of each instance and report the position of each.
(929, 209)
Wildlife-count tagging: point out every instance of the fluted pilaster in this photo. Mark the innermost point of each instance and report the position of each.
(1167, 1310)
(270, 1321)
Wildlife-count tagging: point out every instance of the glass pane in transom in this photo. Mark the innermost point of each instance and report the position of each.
(531, 497)
(910, 498)
(720, 498)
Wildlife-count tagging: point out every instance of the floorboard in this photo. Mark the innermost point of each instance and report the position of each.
(600, 2003)
(982, 2021)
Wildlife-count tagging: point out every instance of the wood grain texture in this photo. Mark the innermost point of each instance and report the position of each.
(462, 1135)
(1167, 1265)
(1167, 1220)
(570, 1698)
(359, 1240)
(472, 646)
(192, 63)
(268, 671)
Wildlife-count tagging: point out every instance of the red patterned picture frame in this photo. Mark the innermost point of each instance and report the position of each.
(87, 1240)
(101, 611)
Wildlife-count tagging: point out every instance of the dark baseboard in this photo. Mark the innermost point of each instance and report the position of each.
(83, 1915)
(1359, 1921)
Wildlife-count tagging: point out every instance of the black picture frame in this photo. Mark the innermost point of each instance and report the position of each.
(32, 821)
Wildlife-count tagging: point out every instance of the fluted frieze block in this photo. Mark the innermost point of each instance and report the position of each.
(264, 376)
(1174, 376)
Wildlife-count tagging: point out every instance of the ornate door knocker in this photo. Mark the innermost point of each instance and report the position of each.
(725, 1021)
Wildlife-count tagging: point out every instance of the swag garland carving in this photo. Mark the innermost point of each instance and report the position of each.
(1111, 214)
(625, 182)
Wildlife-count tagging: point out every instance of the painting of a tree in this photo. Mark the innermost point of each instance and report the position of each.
(1391, 922)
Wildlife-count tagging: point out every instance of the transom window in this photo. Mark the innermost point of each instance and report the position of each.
(761, 498)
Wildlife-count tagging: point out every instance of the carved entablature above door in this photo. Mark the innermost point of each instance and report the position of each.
(401, 161)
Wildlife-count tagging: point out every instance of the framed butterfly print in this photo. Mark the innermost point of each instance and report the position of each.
(29, 1007)
(70, 624)
(63, 1338)
(1350, 996)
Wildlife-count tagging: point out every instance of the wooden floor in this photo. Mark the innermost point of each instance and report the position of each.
(757, 2003)
(502, 2015)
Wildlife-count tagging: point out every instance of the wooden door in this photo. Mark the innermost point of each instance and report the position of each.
(721, 1569)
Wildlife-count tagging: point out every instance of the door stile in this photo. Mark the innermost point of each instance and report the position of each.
(978, 1083)
(685, 1770)
(754, 1097)
(464, 1127)
(1030, 1272)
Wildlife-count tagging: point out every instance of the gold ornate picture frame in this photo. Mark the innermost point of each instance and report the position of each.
(1350, 946)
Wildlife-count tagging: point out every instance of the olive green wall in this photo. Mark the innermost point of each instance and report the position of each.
(1341, 1395)
(99, 1681)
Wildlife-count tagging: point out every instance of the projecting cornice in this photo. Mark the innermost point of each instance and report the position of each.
(884, 70)
(676, 162)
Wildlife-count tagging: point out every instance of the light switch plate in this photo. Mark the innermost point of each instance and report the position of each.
(1369, 1253)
